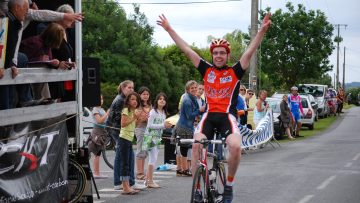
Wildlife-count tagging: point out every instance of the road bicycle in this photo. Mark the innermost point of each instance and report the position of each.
(208, 183)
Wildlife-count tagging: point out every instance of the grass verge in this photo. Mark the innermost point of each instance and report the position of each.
(319, 126)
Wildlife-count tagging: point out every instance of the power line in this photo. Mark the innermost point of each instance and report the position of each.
(172, 3)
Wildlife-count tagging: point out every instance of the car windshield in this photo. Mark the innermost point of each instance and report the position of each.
(316, 91)
(304, 103)
(274, 105)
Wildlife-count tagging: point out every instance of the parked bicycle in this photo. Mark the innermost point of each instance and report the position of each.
(208, 182)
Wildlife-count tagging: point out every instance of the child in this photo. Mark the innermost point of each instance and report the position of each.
(128, 120)
(152, 137)
(98, 137)
(144, 109)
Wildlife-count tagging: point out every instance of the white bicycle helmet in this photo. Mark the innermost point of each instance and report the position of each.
(294, 88)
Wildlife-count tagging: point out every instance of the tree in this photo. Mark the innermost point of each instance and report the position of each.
(297, 46)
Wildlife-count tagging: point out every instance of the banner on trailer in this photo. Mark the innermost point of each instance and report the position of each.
(262, 134)
(33, 167)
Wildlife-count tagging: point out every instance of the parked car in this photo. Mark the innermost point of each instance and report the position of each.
(314, 104)
(308, 120)
(319, 93)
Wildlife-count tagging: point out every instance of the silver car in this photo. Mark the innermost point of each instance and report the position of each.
(308, 120)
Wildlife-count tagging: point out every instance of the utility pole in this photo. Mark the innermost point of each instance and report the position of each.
(343, 82)
(253, 61)
(338, 49)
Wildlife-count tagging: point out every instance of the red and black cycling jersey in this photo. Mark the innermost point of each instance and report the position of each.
(221, 86)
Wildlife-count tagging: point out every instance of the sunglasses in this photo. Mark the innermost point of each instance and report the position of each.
(251, 93)
(242, 89)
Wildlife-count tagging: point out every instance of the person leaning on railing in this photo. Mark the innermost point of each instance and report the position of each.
(16, 15)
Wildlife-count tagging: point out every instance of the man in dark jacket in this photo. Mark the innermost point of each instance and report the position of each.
(16, 15)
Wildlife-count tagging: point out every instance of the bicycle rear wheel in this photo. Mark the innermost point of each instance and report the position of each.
(105, 154)
(77, 181)
(199, 191)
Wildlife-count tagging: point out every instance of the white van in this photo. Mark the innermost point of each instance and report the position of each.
(319, 93)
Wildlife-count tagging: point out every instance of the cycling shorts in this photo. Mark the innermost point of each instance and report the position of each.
(296, 116)
(224, 123)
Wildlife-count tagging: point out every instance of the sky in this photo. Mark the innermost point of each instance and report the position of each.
(194, 22)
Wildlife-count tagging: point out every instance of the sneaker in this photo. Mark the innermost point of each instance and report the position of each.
(228, 194)
(118, 187)
(137, 186)
(198, 196)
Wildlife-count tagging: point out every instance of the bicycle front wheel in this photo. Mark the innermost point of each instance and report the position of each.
(199, 191)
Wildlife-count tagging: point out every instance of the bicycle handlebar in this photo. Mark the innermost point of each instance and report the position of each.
(203, 141)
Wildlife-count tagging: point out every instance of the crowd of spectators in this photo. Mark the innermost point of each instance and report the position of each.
(50, 47)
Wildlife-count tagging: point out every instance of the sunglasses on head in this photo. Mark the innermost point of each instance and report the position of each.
(242, 89)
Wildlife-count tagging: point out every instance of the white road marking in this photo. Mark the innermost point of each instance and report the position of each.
(356, 157)
(326, 183)
(348, 165)
(105, 195)
(306, 199)
(98, 201)
(109, 190)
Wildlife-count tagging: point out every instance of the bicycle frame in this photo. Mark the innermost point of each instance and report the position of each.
(211, 191)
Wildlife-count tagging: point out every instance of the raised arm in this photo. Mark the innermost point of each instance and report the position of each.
(245, 58)
(191, 54)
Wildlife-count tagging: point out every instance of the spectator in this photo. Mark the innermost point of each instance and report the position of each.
(64, 91)
(261, 107)
(152, 138)
(242, 95)
(144, 109)
(185, 126)
(128, 120)
(24, 90)
(114, 119)
(38, 48)
(16, 15)
(240, 107)
(248, 96)
(98, 137)
(340, 100)
(285, 116)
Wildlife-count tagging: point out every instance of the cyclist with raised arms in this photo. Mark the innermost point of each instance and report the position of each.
(221, 88)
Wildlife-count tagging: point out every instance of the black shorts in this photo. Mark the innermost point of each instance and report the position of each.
(224, 123)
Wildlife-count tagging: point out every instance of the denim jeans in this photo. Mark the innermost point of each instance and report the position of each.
(118, 162)
(24, 91)
(6, 97)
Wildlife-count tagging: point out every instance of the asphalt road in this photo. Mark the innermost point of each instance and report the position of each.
(321, 169)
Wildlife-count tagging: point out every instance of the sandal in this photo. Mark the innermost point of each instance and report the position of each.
(152, 184)
(132, 192)
(187, 173)
(140, 176)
